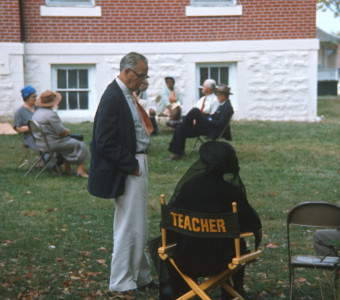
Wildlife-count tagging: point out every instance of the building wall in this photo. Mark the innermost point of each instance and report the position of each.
(123, 21)
(271, 80)
(271, 47)
(10, 21)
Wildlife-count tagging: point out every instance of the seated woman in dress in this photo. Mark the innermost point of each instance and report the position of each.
(24, 114)
(58, 137)
(210, 185)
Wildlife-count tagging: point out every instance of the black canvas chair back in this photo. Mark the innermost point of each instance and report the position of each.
(45, 158)
(312, 214)
(207, 225)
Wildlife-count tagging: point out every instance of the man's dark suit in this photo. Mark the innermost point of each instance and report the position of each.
(113, 145)
(210, 128)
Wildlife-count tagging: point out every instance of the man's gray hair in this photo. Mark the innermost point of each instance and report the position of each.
(131, 61)
(211, 83)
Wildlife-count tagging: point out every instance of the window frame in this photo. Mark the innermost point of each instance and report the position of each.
(211, 65)
(86, 3)
(213, 3)
(90, 89)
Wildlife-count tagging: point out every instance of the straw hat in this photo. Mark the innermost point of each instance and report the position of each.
(48, 99)
(222, 88)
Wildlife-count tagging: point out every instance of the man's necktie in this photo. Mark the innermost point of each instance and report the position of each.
(143, 116)
(203, 104)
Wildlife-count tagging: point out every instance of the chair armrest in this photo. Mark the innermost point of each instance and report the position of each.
(165, 251)
(246, 234)
(167, 248)
(245, 258)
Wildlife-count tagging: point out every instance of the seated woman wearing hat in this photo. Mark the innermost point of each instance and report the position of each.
(72, 150)
(195, 124)
(210, 185)
(24, 114)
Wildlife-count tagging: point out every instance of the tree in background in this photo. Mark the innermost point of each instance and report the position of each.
(332, 5)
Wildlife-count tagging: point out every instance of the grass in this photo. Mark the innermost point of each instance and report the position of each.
(56, 239)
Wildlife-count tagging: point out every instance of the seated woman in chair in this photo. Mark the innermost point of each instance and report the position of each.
(72, 150)
(24, 114)
(210, 185)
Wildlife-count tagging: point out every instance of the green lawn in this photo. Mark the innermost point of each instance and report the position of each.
(56, 239)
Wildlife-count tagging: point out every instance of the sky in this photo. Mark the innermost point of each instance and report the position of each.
(327, 22)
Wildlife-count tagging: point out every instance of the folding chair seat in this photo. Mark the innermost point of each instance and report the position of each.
(45, 158)
(312, 214)
(207, 225)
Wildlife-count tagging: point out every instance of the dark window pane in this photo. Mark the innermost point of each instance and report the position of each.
(203, 75)
(72, 79)
(72, 100)
(83, 79)
(214, 74)
(224, 75)
(83, 100)
(61, 79)
(62, 104)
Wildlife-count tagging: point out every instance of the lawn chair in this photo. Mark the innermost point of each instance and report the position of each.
(312, 214)
(201, 138)
(226, 227)
(45, 158)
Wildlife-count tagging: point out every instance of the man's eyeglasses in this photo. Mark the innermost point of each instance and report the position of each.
(144, 76)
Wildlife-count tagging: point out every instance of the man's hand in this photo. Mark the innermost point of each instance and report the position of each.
(65, 133)
(136, 172)
(258, 237)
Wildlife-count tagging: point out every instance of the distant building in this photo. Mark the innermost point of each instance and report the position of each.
(265, 50)
(328, 74)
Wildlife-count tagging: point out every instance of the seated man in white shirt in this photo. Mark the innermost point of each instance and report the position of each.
(208, 103)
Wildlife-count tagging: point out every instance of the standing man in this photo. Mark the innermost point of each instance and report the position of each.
(121, 137)
(208, 104)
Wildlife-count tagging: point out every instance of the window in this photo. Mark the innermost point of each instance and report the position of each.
(213, 2)
(201, 8)
(70, 2)
(218, 72)
(73, 83)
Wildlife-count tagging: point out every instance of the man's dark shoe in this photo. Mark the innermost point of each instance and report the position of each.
(126, 295)
(174, 157)
(152, 285)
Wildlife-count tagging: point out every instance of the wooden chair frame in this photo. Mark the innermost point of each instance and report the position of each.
(312, 214)
(210, 282)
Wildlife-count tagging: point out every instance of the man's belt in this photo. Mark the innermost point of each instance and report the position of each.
(142, 152)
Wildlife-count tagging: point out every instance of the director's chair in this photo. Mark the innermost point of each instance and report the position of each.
(206, 225)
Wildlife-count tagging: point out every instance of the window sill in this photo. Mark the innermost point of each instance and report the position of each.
(197, 11)
(63, 11)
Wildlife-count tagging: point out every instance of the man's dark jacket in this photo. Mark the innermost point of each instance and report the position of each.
(113, 145)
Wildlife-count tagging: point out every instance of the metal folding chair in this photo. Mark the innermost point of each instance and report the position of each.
(312, 214)
(224, 225)
(45, 158)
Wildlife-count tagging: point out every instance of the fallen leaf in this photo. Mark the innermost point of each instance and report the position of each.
(101, 261)
(271, 245)
(59, 259)
(102, 249)
(301, 279)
